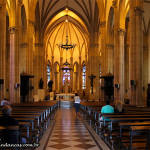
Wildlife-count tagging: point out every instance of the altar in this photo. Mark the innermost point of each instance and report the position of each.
(65, 100)
(65, 97)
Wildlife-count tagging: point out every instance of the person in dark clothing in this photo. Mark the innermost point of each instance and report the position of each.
(9, 135)
(7, 119)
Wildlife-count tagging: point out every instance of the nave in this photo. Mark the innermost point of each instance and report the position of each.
(70, 133)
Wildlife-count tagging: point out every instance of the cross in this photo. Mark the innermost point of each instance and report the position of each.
(91, 78)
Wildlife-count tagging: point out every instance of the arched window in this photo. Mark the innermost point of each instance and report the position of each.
(66, 75)
(48, 73)
(84, 77)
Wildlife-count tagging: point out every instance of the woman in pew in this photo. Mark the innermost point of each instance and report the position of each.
(119, 107)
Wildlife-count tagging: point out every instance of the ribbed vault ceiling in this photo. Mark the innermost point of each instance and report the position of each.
(51, 16)
(85, 9)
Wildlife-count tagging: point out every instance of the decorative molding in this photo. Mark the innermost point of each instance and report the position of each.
(109, 46)
(24, 45)
(38, 44)
(20, 2)
(31, 22)
(138, 11)
(12, 30)
(122, 31)
(103, 24)
(114, 3)
(94, 45)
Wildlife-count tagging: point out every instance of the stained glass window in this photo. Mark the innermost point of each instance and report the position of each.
(84, 77)
(66, 75)
(48, 73)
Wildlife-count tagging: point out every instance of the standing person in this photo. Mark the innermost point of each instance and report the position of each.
(77, 103)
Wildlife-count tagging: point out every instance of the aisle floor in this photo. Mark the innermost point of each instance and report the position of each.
(69, 133)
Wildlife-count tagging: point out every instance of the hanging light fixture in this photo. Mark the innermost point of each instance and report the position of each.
(67, 46)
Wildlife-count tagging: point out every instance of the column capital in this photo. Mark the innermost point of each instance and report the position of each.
(138, 11)
(31, 22)
(24, 45)
(114, 3)
(94, 45)
(109, 46)
(122, 31)
(38, 44)
(12, 30)
(20, 2)
(103, 24)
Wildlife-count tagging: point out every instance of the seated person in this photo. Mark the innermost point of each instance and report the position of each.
(119, 107)
(107, 109)
(5, 102)
(7, 121)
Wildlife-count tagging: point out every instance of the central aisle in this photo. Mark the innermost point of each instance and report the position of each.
(69, 133)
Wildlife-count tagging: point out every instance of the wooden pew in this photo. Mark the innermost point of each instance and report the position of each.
(137, 132)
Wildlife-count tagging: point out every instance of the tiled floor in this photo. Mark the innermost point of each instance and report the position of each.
(69, 133)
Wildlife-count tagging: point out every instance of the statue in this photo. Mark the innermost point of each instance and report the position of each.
(50, 83)
(41, 84)
(66, 85)
(91, 78)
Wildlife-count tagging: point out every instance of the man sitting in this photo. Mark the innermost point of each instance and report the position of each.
(107, 109)
(11, 125)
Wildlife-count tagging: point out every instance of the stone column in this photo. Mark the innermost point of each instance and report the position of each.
(37, 66)
(94, 64)
(23, 56)
(132, 52)
(80, 76)
(2, 46)
(14, 52)
(87, 74)
(116, 52)
(121, 64)
(139, 55)
(61, 74)
(126, 73)
(145, 74)
(104, 56)
(30, 57)
(110, 48)
(71, 72)
(52, 73)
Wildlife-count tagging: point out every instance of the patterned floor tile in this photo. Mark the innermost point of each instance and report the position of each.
(85, 146)
(93, 148)
(72, 143)
(69, 133)
(59, 146)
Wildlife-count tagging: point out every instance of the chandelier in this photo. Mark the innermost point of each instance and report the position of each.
(67, 46)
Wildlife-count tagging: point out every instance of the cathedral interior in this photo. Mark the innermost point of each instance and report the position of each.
(53, 49)
(107, 38)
